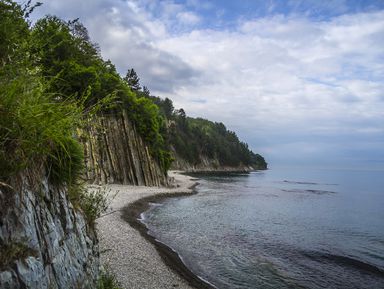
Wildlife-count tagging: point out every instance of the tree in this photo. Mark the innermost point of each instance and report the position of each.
(13, 31)
(133, 80)
(146, 91)
(168, 108)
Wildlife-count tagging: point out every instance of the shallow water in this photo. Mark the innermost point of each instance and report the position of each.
(281, 228)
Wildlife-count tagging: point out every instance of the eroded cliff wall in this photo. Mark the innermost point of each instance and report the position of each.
(205, 165)
(115, 153)
(44, 241)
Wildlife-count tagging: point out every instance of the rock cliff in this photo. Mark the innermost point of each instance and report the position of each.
(44, 241)
(115, 153)
(205, 165)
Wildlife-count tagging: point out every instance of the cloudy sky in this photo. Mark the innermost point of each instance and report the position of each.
(302, 81)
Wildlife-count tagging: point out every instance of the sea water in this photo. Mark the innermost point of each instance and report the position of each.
(280, 228)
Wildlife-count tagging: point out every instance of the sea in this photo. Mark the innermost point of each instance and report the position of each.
(279, 228)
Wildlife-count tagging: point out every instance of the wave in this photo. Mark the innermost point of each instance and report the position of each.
(317, 192)
(346, 261)
(306, 183)
(300, 183)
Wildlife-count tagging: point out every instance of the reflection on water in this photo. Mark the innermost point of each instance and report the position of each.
(280, 229)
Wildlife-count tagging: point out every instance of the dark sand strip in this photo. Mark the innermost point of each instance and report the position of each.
(131, 214)
(136, 259)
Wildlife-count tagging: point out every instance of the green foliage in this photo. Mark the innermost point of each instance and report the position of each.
(76, 71)
(34, 128)
(93, 202)
(192, 139)
(52, 77)
(66, 161)
(108, 281)
(145, 115)
(67, 58)
(13, 30)
(37, 127)
(195, 138)
(149, 123)
(168, 108)
(165, 159)
(12, 252)
(132, 80)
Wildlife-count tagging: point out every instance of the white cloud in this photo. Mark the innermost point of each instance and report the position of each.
(267, 78)
(188, 18)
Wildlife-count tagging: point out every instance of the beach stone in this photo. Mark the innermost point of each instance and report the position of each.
(133, 260)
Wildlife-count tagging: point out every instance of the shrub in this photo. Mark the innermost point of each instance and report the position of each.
(34, 127)
(108, 281)
(92, 201)
(66, 162)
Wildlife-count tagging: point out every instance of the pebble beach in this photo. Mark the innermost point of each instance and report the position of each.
(125, 252)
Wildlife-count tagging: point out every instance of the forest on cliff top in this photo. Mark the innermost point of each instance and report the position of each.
(53, 78)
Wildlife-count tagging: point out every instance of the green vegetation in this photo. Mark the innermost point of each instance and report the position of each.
(52, 79)
(197, 138)
(37, 124)
(35, 128)
(108, 281)
(194, 139)
(12, 252)
(52, 82)
(75, 70)
(94, 202)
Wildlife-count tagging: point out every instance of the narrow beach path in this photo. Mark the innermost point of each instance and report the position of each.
(132, 259)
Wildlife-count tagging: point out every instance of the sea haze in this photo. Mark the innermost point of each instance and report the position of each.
(281, 228)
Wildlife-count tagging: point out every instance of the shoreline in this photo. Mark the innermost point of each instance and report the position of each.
(136, 258)
(171, 258)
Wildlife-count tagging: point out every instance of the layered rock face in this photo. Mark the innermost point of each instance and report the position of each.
(115, 153)
(205, 165)
(44, 241)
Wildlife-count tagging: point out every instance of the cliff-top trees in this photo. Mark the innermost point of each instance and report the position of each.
(13, 32)
(132, 80)
(62, 65)
(66, 57)
(35, 132)
(74, 69)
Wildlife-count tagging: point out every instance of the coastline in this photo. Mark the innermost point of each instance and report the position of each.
(131, 214)
(136, 258)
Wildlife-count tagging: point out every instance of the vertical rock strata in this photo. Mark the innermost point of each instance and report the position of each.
(44, 241)
(115, 153)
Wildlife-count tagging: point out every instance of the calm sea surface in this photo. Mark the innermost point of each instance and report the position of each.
(281, 228)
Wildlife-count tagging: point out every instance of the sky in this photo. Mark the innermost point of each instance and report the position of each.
(301, 81)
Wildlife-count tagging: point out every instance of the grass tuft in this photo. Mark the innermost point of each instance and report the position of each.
(36, 128)
(12, 252)
(66, 162)
(92, 201)
(108, 281)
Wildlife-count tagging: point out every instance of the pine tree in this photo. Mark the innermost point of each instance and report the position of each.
(133, 80)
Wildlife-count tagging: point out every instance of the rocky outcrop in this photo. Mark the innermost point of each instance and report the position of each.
(115, 153)
(44, 241)
(205, 165)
